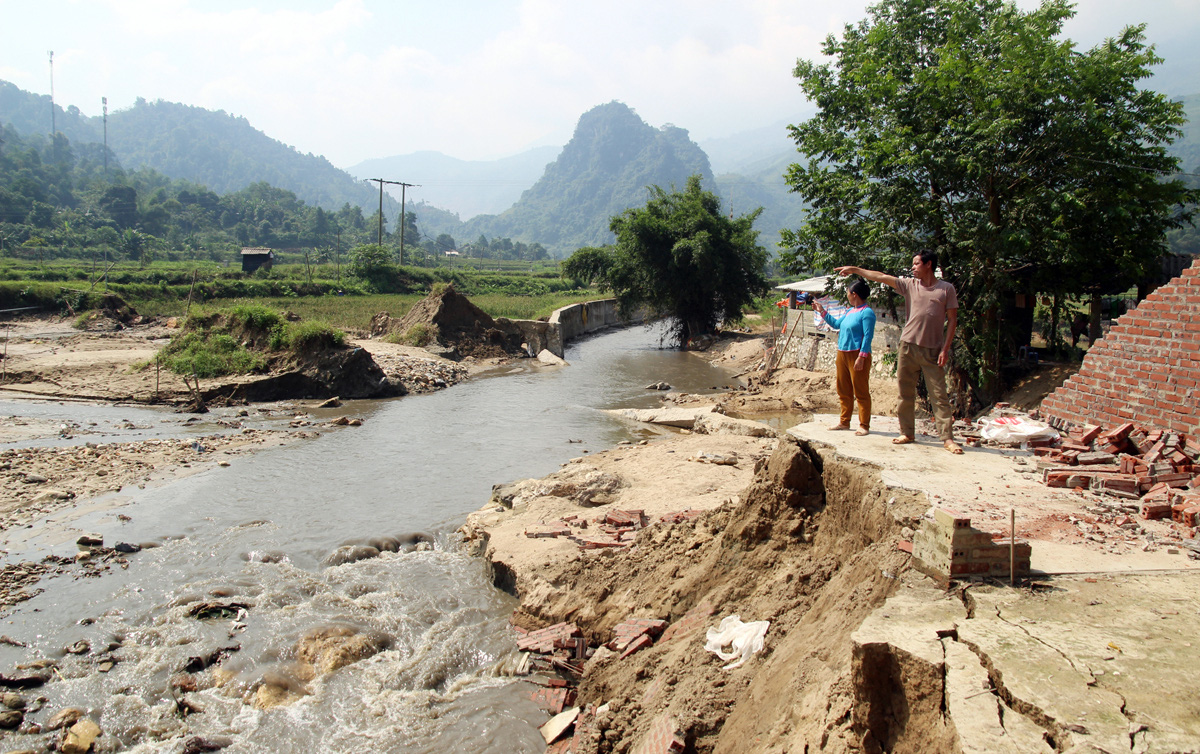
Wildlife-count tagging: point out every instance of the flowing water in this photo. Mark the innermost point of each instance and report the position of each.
(257, 532)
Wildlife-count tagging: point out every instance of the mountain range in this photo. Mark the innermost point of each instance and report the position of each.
(562, 199)
(210, 147)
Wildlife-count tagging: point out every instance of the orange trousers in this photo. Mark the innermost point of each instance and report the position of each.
(854, 384)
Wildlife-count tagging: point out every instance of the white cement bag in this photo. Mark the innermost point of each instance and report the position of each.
(1014, 430)
(744, 639)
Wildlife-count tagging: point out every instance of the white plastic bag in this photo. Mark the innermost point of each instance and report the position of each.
(1014, 430)
(744, 639)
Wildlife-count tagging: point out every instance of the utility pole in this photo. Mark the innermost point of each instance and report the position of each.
(104, 101)
(403, 220)
(403, 186)
(53, 127)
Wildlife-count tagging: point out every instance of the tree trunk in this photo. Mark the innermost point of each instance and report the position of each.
(1094, 330)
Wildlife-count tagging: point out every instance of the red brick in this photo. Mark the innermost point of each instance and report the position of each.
(637, 644)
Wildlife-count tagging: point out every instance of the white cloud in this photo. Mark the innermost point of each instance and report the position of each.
(355, 79)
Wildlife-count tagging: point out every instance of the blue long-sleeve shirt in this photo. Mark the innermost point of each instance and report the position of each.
(855, 329)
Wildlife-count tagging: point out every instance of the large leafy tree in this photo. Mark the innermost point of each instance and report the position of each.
(971, 127)
(681, 258)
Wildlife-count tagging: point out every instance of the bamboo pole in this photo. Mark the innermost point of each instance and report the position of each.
(1012, 547)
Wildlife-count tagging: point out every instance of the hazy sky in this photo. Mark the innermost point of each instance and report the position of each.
(475, 79)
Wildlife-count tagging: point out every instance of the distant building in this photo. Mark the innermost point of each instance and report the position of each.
(254, 258)
(452, 253)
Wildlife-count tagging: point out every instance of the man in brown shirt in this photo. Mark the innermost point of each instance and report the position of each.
(924, 342)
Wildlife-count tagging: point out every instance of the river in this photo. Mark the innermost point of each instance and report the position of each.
(257, 532)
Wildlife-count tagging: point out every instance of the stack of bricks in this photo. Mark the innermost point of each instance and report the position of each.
(948, 548)
(695, 618)
(1157, 467)
(561, 650)
(547, 640)
(1147, 369)
(679, 517)
(635, 634)
(554, 698)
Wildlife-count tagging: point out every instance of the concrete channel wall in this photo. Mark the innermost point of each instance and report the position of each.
(570, 322)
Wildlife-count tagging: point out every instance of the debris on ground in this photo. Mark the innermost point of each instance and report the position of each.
(1128, 474)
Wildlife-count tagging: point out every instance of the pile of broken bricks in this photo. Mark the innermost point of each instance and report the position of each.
(555, 657)
(615, 528)
(1154, 472)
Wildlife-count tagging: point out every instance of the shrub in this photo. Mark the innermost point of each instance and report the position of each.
(209, 355)
(253, 317)
(310, 336)
(419, 335)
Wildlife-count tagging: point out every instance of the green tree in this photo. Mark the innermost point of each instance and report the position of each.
(680, 257)
(372, 264)
(133, 243)
(970, 127)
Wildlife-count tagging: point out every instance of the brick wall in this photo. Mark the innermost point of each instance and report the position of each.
(1145, 370)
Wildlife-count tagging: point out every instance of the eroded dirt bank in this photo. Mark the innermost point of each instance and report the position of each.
(862, 653)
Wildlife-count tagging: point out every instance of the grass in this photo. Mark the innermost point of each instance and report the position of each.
(419, 335)
(239, 339)
(160, 289)
(209, 354)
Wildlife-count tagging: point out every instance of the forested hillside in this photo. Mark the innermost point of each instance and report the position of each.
(57, 200)
(611, 159)
(1187, 240)
(213, 148)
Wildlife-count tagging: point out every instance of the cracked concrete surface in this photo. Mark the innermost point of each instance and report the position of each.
(1098, 660)
(1071, 665)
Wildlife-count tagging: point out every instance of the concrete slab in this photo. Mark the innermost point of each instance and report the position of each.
(984, 484)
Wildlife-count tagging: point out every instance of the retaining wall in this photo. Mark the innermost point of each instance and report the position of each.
(570, 322)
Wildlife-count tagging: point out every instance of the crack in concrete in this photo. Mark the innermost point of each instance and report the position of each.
(968, 600)
(1048, 645)
(1056, 737)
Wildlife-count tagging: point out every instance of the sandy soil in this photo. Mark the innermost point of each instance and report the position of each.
(47, 358)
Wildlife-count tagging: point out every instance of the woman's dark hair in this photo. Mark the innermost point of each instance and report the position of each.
(861, 289)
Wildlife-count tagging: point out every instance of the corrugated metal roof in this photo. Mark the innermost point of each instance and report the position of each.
(811, 285)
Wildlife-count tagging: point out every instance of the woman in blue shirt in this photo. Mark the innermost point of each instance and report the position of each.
(855, 330)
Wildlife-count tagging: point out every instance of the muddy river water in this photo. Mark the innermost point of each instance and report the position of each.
(257, 533)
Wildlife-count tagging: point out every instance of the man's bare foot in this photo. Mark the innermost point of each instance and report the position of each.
(901, 440)
(863, 431)
(953, 447)
(839, 427)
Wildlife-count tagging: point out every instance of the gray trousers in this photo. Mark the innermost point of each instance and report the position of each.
(911, 362)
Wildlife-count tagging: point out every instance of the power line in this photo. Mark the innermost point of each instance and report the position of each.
(53, 127)
(402, 186)
(1130, 167)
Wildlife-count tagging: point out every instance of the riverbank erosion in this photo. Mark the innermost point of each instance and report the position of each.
(862, 652)
(46, 358)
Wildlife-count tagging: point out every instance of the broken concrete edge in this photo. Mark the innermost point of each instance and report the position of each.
(566, 657)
